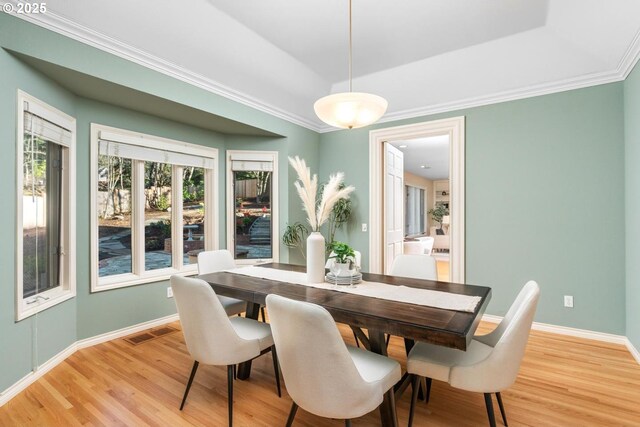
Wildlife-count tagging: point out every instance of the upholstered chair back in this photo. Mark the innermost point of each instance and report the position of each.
(318, 370)
(509, 340)
(210, 337)
(415, 266)
(212, 261)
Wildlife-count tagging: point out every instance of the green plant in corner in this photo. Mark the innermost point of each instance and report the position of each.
(342, 253)
(438, 212)
(294, 236)
(340, 215)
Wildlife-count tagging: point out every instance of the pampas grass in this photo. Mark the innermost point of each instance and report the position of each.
(307, 188)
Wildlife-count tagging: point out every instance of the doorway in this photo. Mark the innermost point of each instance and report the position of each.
(424, 163)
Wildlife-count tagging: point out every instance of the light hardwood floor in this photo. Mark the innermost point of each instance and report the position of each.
(563, 382)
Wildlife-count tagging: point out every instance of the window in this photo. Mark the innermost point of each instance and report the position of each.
(46, 207)
(252, 201)
(415, 212)
(154, 204)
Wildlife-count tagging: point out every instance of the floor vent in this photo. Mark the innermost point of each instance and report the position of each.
(150, 335)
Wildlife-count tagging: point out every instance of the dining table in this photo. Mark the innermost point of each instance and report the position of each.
(378, 317)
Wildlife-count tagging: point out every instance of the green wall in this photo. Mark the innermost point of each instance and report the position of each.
(632, 198)
(544, 179)
(544, 201)
(115, 309)
(55, 328)
(32, 341)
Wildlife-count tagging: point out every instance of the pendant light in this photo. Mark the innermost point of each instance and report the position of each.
(350, 110)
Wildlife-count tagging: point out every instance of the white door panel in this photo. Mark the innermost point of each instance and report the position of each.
(394, 204)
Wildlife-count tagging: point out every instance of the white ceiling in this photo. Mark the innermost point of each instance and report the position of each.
(424, 56)
(432, 152)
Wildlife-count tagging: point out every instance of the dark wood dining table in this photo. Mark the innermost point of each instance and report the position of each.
(413, 322)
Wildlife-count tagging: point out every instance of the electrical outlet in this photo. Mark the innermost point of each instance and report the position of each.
(169, 292)
(364, 228)
(568, 301)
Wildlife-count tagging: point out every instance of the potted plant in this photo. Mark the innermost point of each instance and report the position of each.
(437, 213)
(344, 257)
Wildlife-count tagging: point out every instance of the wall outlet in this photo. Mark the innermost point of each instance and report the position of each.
(169, 292)
(568, 301)
(364, 228)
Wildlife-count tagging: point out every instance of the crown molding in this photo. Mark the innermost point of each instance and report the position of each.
(630, 57)
(75, 31)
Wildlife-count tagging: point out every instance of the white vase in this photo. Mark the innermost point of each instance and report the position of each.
(315, 258)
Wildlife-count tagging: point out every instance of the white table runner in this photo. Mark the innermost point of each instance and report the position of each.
(426, 297)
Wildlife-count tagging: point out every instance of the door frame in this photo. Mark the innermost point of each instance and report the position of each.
(454, 127)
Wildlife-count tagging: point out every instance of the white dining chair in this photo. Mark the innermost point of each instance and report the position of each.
(213, 338)
(427, 243)
(322, 374)
(415, 266)
(491, 362)
(213, 261)
(413, 248)
(331, 261)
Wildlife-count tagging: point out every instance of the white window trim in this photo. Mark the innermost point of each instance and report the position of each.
(248, 155)
(67, 288)
(211, 201)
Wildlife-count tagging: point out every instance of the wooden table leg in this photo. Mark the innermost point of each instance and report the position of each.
(388, 416)
(244, 369)
(377, 342)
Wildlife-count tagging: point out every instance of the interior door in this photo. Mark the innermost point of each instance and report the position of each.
(393, 204)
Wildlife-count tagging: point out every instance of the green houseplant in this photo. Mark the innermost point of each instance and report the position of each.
(344, 257)
(438, 212)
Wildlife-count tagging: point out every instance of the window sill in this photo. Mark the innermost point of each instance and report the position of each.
(126, 280)
(54, 297)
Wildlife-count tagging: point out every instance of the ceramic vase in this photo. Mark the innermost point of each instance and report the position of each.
(315, 258)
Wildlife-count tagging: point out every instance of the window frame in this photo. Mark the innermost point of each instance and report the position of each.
(26, 307)
(139, 275)
(256, 155)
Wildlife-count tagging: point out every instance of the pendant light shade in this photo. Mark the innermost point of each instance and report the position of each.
(350, 110)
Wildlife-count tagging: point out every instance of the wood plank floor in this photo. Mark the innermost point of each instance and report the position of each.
(563, 382)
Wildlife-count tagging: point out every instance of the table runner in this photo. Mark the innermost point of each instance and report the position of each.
(406, 294)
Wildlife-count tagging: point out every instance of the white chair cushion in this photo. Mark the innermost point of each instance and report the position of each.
(249, 329)
(232, 306)
(434, 361)
(374, 368)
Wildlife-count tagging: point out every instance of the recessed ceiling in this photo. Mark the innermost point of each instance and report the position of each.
(424, 56)
(431, 152)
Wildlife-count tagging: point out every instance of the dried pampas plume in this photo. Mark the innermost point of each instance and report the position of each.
(307, 188)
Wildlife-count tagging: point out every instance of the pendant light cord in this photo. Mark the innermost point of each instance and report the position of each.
(350, 49)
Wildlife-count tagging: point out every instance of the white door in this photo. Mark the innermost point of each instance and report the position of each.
(393, 204)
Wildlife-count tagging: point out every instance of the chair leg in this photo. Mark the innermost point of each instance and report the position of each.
(264, 318)
(504, 414)
(428, 390)
(386, 343)
(276, 369)
(356, 338)
(415, 382)
(489, 403)
(193, 374)
(230, 393)
(292, 414)
(347, 423)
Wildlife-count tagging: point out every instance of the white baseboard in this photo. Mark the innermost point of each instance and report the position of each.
(572, 332)
(108, 336)
(634, 351)
(33, 376)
